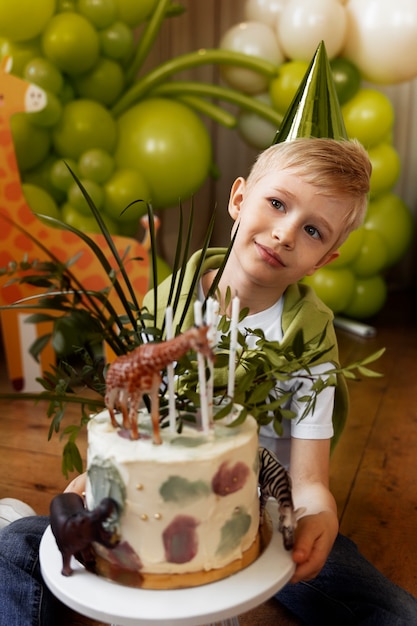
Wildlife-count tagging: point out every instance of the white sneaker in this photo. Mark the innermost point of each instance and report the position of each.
(12, 509)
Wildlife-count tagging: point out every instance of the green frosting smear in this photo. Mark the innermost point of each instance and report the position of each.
(183, 491)
(233, 531)
(188, 442)
(106, 482)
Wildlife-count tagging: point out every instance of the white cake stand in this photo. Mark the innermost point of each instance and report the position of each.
(109, 602)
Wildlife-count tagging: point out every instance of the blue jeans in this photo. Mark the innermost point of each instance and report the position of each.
(24, 598)
(348, 590)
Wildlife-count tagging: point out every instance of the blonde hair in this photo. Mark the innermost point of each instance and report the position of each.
(336, 168)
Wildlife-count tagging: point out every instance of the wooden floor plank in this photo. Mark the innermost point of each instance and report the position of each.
(373, 469)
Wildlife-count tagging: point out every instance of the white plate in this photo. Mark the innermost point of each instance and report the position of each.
(107, 601)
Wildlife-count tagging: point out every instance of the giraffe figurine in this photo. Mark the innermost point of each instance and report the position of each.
(131, 375)
(17, 95)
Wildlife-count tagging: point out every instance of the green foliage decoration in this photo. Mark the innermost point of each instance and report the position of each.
(79, 379)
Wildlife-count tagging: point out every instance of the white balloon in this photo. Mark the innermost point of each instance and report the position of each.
(258, 40)
(255, 130)
(304, 23)
(382, 39)
(266, 11)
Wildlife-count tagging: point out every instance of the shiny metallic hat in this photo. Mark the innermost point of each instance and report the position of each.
(315, 109)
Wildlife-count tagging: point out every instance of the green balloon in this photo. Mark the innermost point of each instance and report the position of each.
(368, 299)
(373, 255)
(334, 287)
(347, 78)
(32, 143)
(349, 249)
(389, 216)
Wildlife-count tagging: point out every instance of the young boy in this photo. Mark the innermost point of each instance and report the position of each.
(298, 205)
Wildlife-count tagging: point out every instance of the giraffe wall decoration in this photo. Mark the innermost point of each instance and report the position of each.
(17, 95)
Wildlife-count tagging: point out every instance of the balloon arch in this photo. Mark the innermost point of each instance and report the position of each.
(105, 115)
(370, 43)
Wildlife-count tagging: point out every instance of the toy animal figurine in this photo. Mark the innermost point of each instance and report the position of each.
(275, 482)
(131, 375)
(75, 528)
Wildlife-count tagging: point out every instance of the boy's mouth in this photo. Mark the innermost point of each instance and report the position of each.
(269, 256)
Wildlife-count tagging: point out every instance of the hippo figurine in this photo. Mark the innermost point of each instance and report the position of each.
(75, 528)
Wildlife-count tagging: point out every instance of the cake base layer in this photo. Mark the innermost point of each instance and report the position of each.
(103, 565)
(187, 506)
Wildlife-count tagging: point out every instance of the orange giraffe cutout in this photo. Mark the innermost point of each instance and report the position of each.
(17, 95)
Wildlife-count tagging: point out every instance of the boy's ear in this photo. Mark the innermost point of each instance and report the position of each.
(328, 258)
(236, 197)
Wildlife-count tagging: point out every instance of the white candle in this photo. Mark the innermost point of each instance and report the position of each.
(233, 346)
(212, 313)
(170, 372)
(198, 319)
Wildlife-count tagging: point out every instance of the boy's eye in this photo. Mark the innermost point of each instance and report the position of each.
(313, 232)
(277, 204)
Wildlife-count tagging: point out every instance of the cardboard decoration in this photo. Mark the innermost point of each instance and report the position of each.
(16, 217)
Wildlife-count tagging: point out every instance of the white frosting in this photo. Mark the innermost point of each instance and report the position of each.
(172, 484)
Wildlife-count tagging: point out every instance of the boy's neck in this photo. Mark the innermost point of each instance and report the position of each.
(256, 300)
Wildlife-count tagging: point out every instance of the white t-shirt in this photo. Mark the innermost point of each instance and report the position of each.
(317, 424)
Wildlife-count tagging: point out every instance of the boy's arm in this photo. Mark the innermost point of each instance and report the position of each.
(317, 529)
(77, 485)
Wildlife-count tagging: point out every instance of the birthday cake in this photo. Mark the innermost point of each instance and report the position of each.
(188, 508)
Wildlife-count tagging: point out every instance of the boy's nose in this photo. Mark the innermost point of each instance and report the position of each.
(285, 235)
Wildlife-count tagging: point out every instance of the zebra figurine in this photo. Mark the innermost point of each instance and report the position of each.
(275, 482)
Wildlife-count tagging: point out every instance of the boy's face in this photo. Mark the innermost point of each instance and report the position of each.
(287, 230)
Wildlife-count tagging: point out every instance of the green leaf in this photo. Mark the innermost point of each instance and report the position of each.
(365, 371)
(71, 459)
(38, 345)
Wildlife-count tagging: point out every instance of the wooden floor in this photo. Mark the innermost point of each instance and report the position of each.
(373, 470)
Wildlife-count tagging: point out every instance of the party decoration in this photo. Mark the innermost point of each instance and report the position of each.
(88, 56)
(368, 298)
(283, 88)
(389, 216)
(25, 20)
(382, 39)
(303, 23)
(108, 117)
(256, 131)
(255, 39)
(315, 110)
(334, 287)
(372, 40)
(266, 11)
(347, 78)
(368, 116)
(168, 139)
(385, 167)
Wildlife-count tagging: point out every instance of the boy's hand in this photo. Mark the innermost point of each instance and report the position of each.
(77, 485)
(314, 538)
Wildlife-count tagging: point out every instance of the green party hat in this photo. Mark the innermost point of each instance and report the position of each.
(315, 109)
